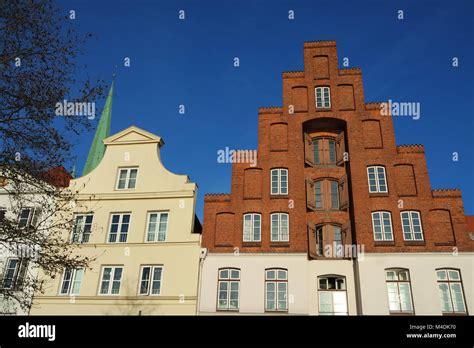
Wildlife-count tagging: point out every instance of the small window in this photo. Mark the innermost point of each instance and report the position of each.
(151, 277)
(157, 227)
(411, 223)
(323, 98)
(82, 228)
(276, 290)
(377, 179)
(399, 291)
(72, 279)
(119, 228)
(327, 194)
(329, 241)
(382, 226)
(127, 178)
(29, 217)
(111, 280)
(14, 274)
(451, 294)
(252, 227)
(228, 289)
(332, 295)
(280, 227)
(279, 181)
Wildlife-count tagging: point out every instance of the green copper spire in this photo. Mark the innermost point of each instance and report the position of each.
(97, 149)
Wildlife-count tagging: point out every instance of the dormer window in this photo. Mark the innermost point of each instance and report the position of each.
(323, 98)
(127, 178)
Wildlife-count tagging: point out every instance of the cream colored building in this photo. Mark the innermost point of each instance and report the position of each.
(138, 220)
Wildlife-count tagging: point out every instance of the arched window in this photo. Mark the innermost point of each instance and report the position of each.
(228, 289)
(276, 289)
(399, 290)
(451, 294)
(332, 295)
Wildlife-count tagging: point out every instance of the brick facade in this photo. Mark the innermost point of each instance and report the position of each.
(363, 137)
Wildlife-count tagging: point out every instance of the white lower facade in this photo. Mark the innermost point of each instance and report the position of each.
(301, 292)
(426, 296)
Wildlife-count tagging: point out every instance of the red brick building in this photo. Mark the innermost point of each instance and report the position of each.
(331, 182)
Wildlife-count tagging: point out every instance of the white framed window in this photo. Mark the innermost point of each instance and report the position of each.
(252, 227)
(150, 281)
(228, 288)
(280, 229)
(127, 178)
(451, 294)
(82, 228)
(411, 223)
(332, 295)
(377, 179)
(323, 97)
(119, 225)
(14, 273)
(399, 291)
(276, 289)
(157, 226)
(29, 217)
(110, 280)
(382, 226)
(71, 283)
(279, 181)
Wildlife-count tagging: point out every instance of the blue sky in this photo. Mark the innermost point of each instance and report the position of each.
(190, 62)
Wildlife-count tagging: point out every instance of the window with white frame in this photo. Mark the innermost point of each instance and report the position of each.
(411, 223)
(29, 217)
(279, 181)
(127, 178)
(451, 294)
(399, 291)
(72, 279)
(280, 230)
(377, 179)
(276, 289)
(157, 227)
(323, 97)
(382, 226)
(151, 277)
(82, 228)
(119, 225)
(228, 289)
(110, 280)
(332, 295)
(14, 273)
(252, 227)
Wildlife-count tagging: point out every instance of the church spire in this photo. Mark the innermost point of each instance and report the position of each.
(97, 149)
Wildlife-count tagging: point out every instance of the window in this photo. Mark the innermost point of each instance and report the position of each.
(119, 227)
(14, 274)
(82, 228)
(279, 181)
(252, 227)
(332, 295)
(151, 277)
(399, 291)
(411, 223)
(326, 194)
(29, 217)
(228, 289)
(111, 279)
(451, 292)
(276, 289)
(127, 178)
(382, 226)
(157, 227)
(71, 283)
(324, 151)
(279, 227)
(377, 180)
(329, 241)
(323, 98)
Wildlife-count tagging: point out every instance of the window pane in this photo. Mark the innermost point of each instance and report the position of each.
(271, 274)
(340, 302)
(234, 274)
(318, 198)
(316, 151)
(145, 282)
(445, 298)
(281, 275)
(453, 275)
(133, 178)
(441, 275)
(458, 298)
(224, 274)
(76, 286)
(405, 297)
(332, 151)
(393, 300)
(334, 195)
(325, 302)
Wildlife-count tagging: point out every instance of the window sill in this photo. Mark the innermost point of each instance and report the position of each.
(384, 243)
(378, 194)
(454, 314)
(251, 244)
(279, 244)
(279, 196)
(402, 313)
(450, 243)
(415, 242)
